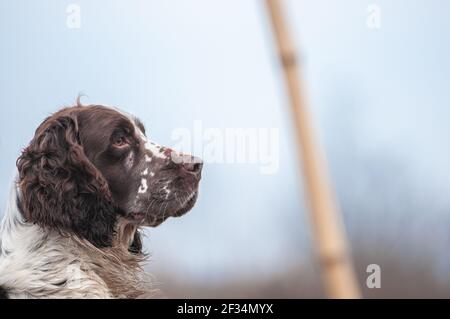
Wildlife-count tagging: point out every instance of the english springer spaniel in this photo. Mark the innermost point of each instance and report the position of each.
(87, 183)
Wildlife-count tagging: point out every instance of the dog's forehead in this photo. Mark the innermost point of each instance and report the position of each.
(139, 124)
(155, 149)
(134, 120)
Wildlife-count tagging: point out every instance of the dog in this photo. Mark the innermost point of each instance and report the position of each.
(87, 184)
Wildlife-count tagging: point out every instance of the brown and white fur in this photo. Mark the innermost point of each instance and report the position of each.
(87, 183)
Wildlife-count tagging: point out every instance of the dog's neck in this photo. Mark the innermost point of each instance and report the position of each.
(35, 262)
(125, 234)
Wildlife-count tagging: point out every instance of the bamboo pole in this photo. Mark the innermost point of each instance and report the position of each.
(329, 234)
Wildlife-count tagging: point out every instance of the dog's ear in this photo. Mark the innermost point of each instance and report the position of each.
(60, 188)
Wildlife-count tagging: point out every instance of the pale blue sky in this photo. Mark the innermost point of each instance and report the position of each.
(380, 99)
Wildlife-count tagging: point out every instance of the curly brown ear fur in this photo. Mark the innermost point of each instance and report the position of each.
(60, 188)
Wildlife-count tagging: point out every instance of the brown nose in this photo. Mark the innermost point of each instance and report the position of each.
(192, 164)
(189, 163)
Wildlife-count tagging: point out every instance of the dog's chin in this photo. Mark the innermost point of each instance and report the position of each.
(152, 220)
(187, 205)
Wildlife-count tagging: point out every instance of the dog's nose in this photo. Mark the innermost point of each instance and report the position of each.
(188, 163)
(192, 164)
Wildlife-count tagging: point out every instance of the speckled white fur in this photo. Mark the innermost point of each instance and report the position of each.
(144, 187)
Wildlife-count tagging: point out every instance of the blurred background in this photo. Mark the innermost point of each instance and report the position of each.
(380, 100)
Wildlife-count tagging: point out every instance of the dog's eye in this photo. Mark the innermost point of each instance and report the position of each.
(120, 141)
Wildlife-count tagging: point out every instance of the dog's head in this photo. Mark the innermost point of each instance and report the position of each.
(88, 165)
